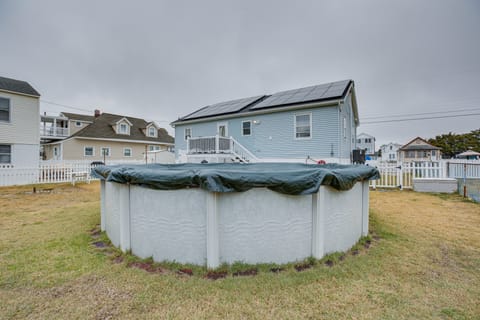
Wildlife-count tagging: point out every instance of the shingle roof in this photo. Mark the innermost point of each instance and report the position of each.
(79, 117)
(318, 93)
(102, 128)
(17, 86)
(422, 146)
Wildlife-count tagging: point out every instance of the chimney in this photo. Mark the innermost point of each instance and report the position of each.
(97, 113)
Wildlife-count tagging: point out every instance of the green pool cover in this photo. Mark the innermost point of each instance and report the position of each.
(287, 178)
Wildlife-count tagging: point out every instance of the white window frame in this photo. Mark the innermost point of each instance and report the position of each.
(127, 128)
(85, 151)
(154, 132)
(109, 153)
(131, 152)
(8, 154)
(295, 125)
(243, 132)
(9, 111)
(345, 128)
(153, 147)
(185, 133)
(78, 124)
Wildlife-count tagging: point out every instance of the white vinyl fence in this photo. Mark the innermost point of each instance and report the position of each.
(51, 172)
(401, 175)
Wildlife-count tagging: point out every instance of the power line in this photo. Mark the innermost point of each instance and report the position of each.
(422, 118)
(66, 106)
(418, 114)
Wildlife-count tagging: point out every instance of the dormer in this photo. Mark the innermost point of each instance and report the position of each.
(122, 126)
(151, 130)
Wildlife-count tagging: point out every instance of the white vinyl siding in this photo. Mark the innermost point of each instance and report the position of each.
(246, 128)
(4, 109)
(303, 126)
(5, 153)
(89, 151)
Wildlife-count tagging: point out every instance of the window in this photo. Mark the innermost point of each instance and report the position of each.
(105, 151)
(127, 152)
(55, 151)
(188, 133)
(123, 128)
(5, 153)
(345, 128)
(89, 151)
(152, 132)
(153, 148)
(411, 154)
(359, 140)
(5, 109)
(391, 147)
(433, 153)
(246, 128)
(303, 126)
(78, 124)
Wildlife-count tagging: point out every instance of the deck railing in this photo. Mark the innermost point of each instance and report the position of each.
(54, 132)
(219, 145)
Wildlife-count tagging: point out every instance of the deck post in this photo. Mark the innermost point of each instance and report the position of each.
(365, 207)
(318, 223)
(217, 144)
(102, 205)
(124, 208)
(213, 246)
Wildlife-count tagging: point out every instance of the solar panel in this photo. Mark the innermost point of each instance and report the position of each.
(313, 93)
(223, 107)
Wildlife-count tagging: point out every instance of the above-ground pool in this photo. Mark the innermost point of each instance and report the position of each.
(215, 213)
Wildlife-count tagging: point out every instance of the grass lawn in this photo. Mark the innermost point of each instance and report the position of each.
(423, 263)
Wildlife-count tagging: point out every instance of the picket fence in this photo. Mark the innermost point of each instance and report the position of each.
(392, 175)
(51, 172)
(401, 175)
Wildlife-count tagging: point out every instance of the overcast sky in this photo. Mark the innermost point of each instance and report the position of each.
(160, 60)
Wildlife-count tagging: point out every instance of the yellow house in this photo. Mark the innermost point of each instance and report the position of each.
(101, 137)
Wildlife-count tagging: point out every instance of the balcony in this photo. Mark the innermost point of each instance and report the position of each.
(52, 132)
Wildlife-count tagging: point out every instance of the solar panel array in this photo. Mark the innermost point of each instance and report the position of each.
(223, 107)
(313, 93)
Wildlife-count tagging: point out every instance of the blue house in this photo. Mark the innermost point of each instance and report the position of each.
(306, 124)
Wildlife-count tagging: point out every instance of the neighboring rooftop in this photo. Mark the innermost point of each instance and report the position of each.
(17, 86)
(101, 127)
(79, 117)
(419, 144)
(318, 93)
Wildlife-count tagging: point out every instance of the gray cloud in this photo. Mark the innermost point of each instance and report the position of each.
(164, 59)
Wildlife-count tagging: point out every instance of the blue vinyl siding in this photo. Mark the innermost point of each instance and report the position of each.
(273, 134)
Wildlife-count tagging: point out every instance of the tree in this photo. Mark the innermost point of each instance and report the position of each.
(453, 144)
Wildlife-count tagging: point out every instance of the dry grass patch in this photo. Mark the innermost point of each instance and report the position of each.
(424, 264)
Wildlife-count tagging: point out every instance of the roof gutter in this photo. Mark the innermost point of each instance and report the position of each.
(20, 93)
(265, 111)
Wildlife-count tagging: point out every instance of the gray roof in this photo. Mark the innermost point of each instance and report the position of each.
(17, 86)
(423, 146)
(79, 117)
(318, 93)
(102, 128)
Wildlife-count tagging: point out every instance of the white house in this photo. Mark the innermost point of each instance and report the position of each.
(366, 141)
(19, 124)
(317, 122)
(390, 152)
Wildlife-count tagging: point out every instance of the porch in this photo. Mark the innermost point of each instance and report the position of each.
(219, 146)
(53, 127)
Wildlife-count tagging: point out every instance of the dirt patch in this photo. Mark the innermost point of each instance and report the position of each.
(214, 275)
(302, 266)
(185, 271)
(277, 270)
(100, 244)
(149, 267)
(329, 263)
(248, 272)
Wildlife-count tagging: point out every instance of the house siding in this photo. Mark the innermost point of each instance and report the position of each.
(73, 149)
(22, 132)
(274, 137)
(24, 125)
